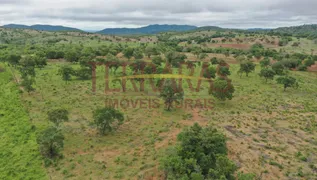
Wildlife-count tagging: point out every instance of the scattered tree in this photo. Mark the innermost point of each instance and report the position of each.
(50, 141)
(200, 154)
(287, 81)
(66, 72)
(171, 93)
(267, 74)
(222, 89)
(246, 67)
(58, 116)
(105, 119)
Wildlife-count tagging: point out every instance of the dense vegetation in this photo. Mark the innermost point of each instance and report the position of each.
(18, 148)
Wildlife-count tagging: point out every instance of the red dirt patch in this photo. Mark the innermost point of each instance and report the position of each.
(234, 46)
(312, 68)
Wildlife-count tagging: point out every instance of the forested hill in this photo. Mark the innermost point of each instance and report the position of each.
(41, 27)
(151, 29)
(309, 31)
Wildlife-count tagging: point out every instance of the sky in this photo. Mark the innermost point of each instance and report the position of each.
(100, 14)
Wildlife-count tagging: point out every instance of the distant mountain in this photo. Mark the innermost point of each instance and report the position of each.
(151, 29)
(258, 29)
(41, 27)
(209, 28)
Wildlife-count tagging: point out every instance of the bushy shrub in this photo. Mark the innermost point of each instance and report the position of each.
(200, 154)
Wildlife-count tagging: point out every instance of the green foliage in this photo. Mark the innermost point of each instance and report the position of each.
(291, 63)
(51, 142)
(200, 154)
(175, 58)
(20, 158)
(246, 67)
(222, 89)
(249, 176)
(203, 56)
(265, 62)
(171, 93)
(149, 51)
(137, 54)
(128, 52)
(72, 55)
(278, 68)
(58, 116)
(83, 73)
(27, 82)
(267, 73)
(214, 60)
(105, 119)
(210, 72)
(287, 81)
(302, 67)
(309, 62)
(224, 71)
(157, 60)
(137, 65)
(27, 66)
(13, 59)
(66, 72)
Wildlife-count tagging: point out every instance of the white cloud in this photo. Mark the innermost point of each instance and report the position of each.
(99, 14)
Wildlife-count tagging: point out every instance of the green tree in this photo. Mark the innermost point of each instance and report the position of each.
(309, 62)
(175, 58)
(200, 154)
(265, 62)
(214, 60)
(287, 81)
(278, 68)
(149, 51)
(157, 60)
(137, 54)
(222, 89)
(58, 116)
(246, 67)
(203, 56)
(128, 52)
(27, 82)
(171, 93)
(13, 59)
(51, 142)
(267, 74)
(105, 119)
(210, 72)
(66, 72)
(224, 71)
(302, 67)
(72, 55)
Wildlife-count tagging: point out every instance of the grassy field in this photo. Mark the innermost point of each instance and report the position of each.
(271, 133)
(19, 154)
